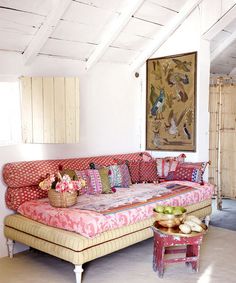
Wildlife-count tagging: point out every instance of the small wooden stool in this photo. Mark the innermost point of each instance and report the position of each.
(170, 237)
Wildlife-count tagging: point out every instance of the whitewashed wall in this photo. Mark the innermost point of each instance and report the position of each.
(109, 103)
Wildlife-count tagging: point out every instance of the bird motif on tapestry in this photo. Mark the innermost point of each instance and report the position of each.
(173, 122)
(178, 80)
(157, 102)
(186, 131)
(182, 65)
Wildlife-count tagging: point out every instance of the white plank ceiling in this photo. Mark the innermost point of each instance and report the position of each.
(225, 62)
(80, 29)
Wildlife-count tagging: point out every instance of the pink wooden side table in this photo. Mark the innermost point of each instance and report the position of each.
(170, 237)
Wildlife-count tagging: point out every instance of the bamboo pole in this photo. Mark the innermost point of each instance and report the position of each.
(218, 180)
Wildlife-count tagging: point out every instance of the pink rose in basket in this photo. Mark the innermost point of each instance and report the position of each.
(61, 183)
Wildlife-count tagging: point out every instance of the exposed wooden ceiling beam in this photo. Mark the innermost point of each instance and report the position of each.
(113, 30)
(221, 47)
(166, 31)
(220, 24)
(58, 9)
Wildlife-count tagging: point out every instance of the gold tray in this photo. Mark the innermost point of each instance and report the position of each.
(175, 231)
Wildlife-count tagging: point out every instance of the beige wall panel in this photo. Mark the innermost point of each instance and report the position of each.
(228, 160)
(60, 118)
(48, 113)
(213, 140)
(228, 99)
(228, 141)
(213, 101)
(228, 121)
(37, 109)
(213, 121)
(77, 117)
(70, 109)
(227, 168)
(213, 157)
(26, 110)
(50, 109)
(228, 183)
(225, 182)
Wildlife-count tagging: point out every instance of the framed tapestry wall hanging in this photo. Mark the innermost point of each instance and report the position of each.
(171, 103)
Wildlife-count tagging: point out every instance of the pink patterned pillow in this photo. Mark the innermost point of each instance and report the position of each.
(93, 181)
(167, 164)
(126, 179)
(148, 171)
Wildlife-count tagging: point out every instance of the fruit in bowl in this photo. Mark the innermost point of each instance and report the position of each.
(169, 216)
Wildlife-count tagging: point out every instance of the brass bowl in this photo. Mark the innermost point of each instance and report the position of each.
(169, 220)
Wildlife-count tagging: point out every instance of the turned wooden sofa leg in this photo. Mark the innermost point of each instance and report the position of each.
(78, 273)
(207, 220)
(10, 246)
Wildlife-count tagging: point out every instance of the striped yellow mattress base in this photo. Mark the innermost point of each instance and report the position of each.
(78, 249)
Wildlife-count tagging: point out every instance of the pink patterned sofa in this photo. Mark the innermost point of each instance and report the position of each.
(22, 179)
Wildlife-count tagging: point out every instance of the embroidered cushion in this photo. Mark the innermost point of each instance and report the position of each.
(167, 164)
(115, 176)
(127, 171)
(148, 171)
(106, 187)
(188, 171)
(93, 181)
(118, 173)
(126, 179)
(188, 174)
(198, 165)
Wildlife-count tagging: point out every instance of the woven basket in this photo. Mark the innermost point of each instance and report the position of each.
(65, 199)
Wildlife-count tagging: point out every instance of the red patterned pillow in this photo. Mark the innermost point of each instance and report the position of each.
(188, 174)
(134, 170)
(198, 165)
(148, 171)
(189, 171)
(167, 164)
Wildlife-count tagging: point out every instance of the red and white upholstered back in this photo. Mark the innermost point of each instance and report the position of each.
(22, 178)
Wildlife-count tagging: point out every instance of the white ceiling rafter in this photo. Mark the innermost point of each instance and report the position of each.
(166, 31)
(58, 9)
(221, 47)
(113, 30)
(220, 24)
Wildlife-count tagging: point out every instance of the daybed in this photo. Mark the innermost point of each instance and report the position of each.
(22, 179)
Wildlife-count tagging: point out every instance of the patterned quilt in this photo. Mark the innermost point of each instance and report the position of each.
(94, 214)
